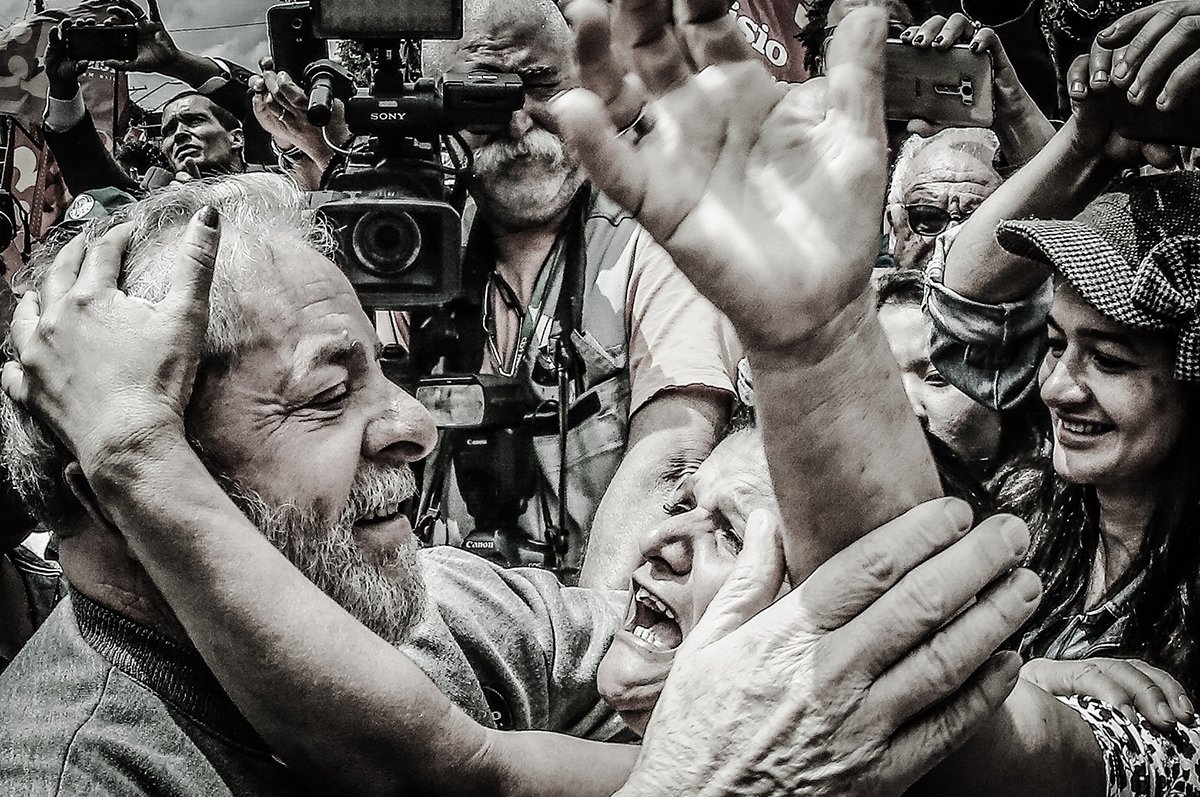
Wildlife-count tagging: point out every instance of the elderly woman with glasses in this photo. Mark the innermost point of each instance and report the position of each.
(1092, 303)
(937, 182)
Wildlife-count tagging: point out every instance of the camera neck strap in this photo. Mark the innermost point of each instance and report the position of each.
(562, 273)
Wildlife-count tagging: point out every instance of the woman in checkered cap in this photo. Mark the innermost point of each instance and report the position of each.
(1094, 302)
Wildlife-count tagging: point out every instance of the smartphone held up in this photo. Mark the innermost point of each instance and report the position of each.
(102, 42)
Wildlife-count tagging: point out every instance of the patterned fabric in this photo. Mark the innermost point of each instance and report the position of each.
(1167, 285)
(1140, 761)
(1133, 254)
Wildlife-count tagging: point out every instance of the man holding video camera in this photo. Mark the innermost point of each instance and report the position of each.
(656, 353)
(648, 362)
(207, 130)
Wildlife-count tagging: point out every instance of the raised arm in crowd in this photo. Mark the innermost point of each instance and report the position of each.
(357, 713)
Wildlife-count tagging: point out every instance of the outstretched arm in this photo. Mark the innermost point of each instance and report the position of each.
(84, 161)
(330, 697)
(769, 199)
(1069, 172)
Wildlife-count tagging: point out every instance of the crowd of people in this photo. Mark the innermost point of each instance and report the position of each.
(864, 457)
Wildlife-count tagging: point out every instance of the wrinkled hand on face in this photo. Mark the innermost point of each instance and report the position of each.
(860, 679)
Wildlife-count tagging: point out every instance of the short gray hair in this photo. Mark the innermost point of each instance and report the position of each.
(979, 142)
(482, 17)
(259, 213)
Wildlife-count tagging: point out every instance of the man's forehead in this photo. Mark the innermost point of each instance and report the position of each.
(515, 55)
(285, 288)
(192, 102)
(946, 165)
(904, 326)
(736, 459)
(510, 38)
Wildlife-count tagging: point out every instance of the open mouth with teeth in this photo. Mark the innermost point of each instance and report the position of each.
(1079, 428)
(380, 515)
(652, 621)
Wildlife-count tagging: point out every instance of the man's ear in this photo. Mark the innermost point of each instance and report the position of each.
(895, 219)
(73, 476)
(238, 139)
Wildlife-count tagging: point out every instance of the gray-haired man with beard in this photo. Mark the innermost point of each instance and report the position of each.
(111, 697)
(655, 361)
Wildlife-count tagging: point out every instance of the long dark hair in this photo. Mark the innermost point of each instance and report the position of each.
(1164, 627)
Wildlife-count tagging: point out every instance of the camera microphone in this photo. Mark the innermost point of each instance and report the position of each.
(327, 80)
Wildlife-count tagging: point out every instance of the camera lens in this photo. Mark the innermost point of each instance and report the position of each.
(386, 242)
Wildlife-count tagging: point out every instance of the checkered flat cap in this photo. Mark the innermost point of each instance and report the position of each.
(1133, 254)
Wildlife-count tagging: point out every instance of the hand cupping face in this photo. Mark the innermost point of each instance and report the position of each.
(866, 675)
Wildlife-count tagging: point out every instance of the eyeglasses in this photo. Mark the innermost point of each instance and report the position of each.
(930, 221)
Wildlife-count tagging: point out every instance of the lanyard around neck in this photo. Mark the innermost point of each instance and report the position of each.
(534, 322)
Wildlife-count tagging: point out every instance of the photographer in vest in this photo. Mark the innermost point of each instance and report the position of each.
(650, 361)
(656, 354)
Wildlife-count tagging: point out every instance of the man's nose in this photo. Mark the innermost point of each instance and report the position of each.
(520, 124)
(671, 542)
(402, 432)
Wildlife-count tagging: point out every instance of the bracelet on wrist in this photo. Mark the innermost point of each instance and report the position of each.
(287, 157)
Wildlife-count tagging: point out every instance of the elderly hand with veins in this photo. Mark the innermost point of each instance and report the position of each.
(858, 681)
(767, 196)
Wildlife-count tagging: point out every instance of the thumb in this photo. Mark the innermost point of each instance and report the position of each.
(192, 276)
(13, 379)
(753, 585)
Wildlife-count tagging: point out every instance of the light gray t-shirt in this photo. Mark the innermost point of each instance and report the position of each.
(513, 648)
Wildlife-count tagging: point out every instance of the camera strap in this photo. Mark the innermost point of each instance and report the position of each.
(19, 212)
(535, 323)
(563, 272)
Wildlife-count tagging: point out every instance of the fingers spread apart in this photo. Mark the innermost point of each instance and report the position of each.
(937, 590)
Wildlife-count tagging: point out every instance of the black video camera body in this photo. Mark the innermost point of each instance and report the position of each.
(397, 220)
(400, 231)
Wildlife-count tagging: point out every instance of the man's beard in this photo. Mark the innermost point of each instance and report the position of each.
(525, 183)
(387, 593)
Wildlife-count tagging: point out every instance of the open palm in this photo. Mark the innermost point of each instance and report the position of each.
(768, 196)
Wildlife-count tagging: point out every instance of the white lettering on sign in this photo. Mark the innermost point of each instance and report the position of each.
(758, 36)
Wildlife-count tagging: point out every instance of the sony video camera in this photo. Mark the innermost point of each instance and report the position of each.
(396, 204)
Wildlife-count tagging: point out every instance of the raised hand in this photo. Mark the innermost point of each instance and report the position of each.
(1100, 118)
(156, 50)
(622, 92)
(61, 70)
(768, 197)
(1021, 126)
(281, 107)
(83, 341)
(857, 681)
(1158, 60)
